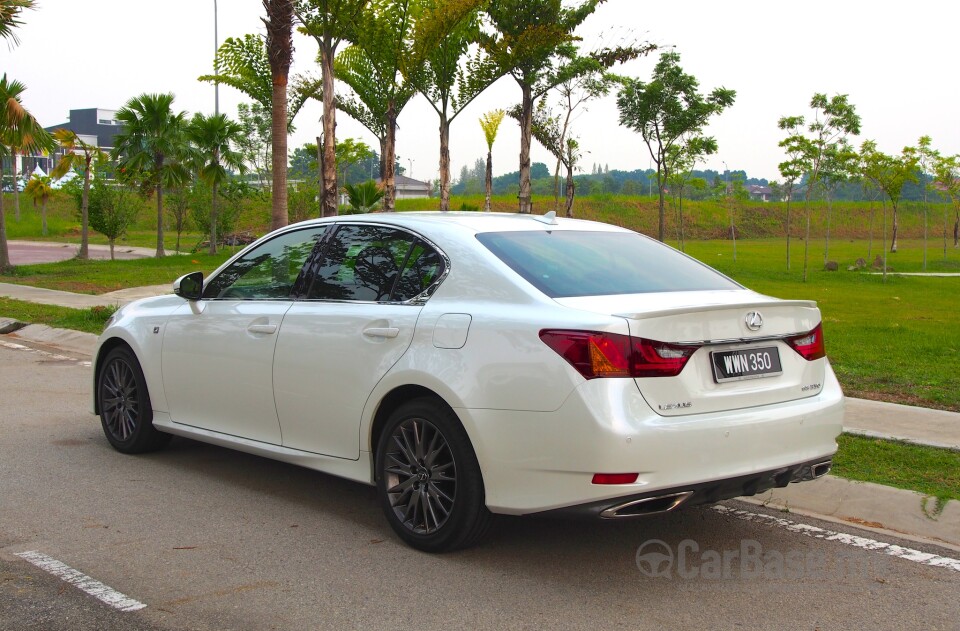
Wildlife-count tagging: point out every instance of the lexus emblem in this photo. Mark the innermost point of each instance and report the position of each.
(754, 320)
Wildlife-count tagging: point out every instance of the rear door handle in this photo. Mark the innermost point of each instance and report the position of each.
(390, 332)
(266, 329)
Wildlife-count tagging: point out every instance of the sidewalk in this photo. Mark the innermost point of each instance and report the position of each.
(870, 506)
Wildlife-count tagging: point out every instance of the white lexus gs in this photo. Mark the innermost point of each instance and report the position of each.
(471, 363)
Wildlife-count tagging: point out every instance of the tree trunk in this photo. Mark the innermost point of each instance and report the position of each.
(526, 132)
(390, 159)
(489, 181)
(873, 212)
(111, 249)
(16, 189)
(383, 160)
(445, 166)
(956, 230)
(556, 186)
(83, 254)
(329, 198)
(160, 251)
(213, 221)
(680, 212)
(571, 191)
(4, 253)
(896, 226)
(826, 239)
(661, 208)
(884, 242)
(806, 239)
(789, 195)
(279, 216)
(43, 216)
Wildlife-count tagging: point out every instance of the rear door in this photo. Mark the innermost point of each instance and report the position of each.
(356, 320)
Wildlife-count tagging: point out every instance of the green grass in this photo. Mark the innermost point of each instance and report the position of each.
(88, 320)
(928, 470)
(101, 276)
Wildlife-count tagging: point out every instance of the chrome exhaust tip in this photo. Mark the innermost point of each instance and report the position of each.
(647, 506)
(821, 469)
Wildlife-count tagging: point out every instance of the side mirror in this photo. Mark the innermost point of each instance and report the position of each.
(189, 286)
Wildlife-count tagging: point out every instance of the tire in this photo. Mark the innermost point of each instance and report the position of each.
(429, 482)
(124, 402)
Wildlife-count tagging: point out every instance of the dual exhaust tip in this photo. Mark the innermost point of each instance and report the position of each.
(670, 501)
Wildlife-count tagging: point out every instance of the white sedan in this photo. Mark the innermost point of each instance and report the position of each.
(470, 364)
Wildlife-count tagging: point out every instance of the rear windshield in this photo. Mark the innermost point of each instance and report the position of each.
(565, 264)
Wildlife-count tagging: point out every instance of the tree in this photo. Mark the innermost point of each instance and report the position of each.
(833, 120)
(329, 22)
(351, 151)
(549, 133)
(926, 158)
(214, 138)
(39, 190)
(178, 204)
(946, 177)
(490, 123)
(665, 110)
(443, 33)
(889, 174)
(256, 143)
(680, 161)
(840, 164)
(10, 11)
(150, 148)
(19, 132)
(112, 211)
(535, 42)
(792, 168)
(78, 153)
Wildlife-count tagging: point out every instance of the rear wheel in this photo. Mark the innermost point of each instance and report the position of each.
(428, 479)
(125, 410)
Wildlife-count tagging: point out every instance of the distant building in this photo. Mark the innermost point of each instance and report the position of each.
(759, 193)
(409, 188)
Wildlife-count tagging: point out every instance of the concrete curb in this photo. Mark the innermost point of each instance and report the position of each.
(879, 419)
(870, 506)
(65, 339)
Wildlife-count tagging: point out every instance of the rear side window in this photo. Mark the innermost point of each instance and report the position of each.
(565, 264)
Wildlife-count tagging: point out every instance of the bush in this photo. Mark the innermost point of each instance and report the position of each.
(303, 203)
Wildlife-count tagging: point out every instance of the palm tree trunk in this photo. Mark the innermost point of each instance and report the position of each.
(278, 216)
(526, 132)
(329, 202)
(489, 181)
(4, 253)
(213, 221)
(84, 213)
(445, 164)
(160, 251)
(389, 181)
(16, 189)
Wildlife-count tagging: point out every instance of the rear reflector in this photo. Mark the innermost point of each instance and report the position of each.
(615, 478)
(596, 354)
(809, 345)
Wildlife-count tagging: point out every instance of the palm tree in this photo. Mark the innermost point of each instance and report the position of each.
(19, 133)
(149, 149)
(213, 138)
(490, 123)
(10, 18)
(77, 152)
(39, 190)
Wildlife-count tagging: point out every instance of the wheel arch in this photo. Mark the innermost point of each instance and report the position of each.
(105, 347)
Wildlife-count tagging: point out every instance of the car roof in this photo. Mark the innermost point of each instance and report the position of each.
(474, 222)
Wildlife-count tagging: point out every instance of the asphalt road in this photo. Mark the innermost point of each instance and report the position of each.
(208, 538)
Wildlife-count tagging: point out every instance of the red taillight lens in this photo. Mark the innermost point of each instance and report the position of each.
(596, 354)
(809, 345)
(615, 478)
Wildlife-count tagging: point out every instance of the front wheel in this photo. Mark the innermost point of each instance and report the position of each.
(428, 479)
(125, 410)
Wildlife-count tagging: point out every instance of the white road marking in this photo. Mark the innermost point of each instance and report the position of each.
(856, 541)
(21, 347)
(81, 581)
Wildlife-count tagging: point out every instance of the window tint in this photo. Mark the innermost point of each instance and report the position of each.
(267, 272)
(373, 263)
(564, 263)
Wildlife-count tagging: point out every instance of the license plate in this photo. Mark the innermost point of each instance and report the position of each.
(749, 363)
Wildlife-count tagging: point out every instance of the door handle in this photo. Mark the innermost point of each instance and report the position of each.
(266, 329)
(390, 332)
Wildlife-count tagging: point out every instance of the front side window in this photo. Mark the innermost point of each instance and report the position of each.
(267, 272)
(567, 263)
(374, 264)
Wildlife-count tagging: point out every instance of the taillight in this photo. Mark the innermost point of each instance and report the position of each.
(809, 345)
(596, 354)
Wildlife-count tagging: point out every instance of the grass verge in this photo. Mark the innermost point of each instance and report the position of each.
(87, 320)
(927, 470)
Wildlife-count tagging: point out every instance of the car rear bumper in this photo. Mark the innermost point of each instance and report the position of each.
(536, 462)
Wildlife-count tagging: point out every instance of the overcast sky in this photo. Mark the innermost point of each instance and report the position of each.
(897, 61)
